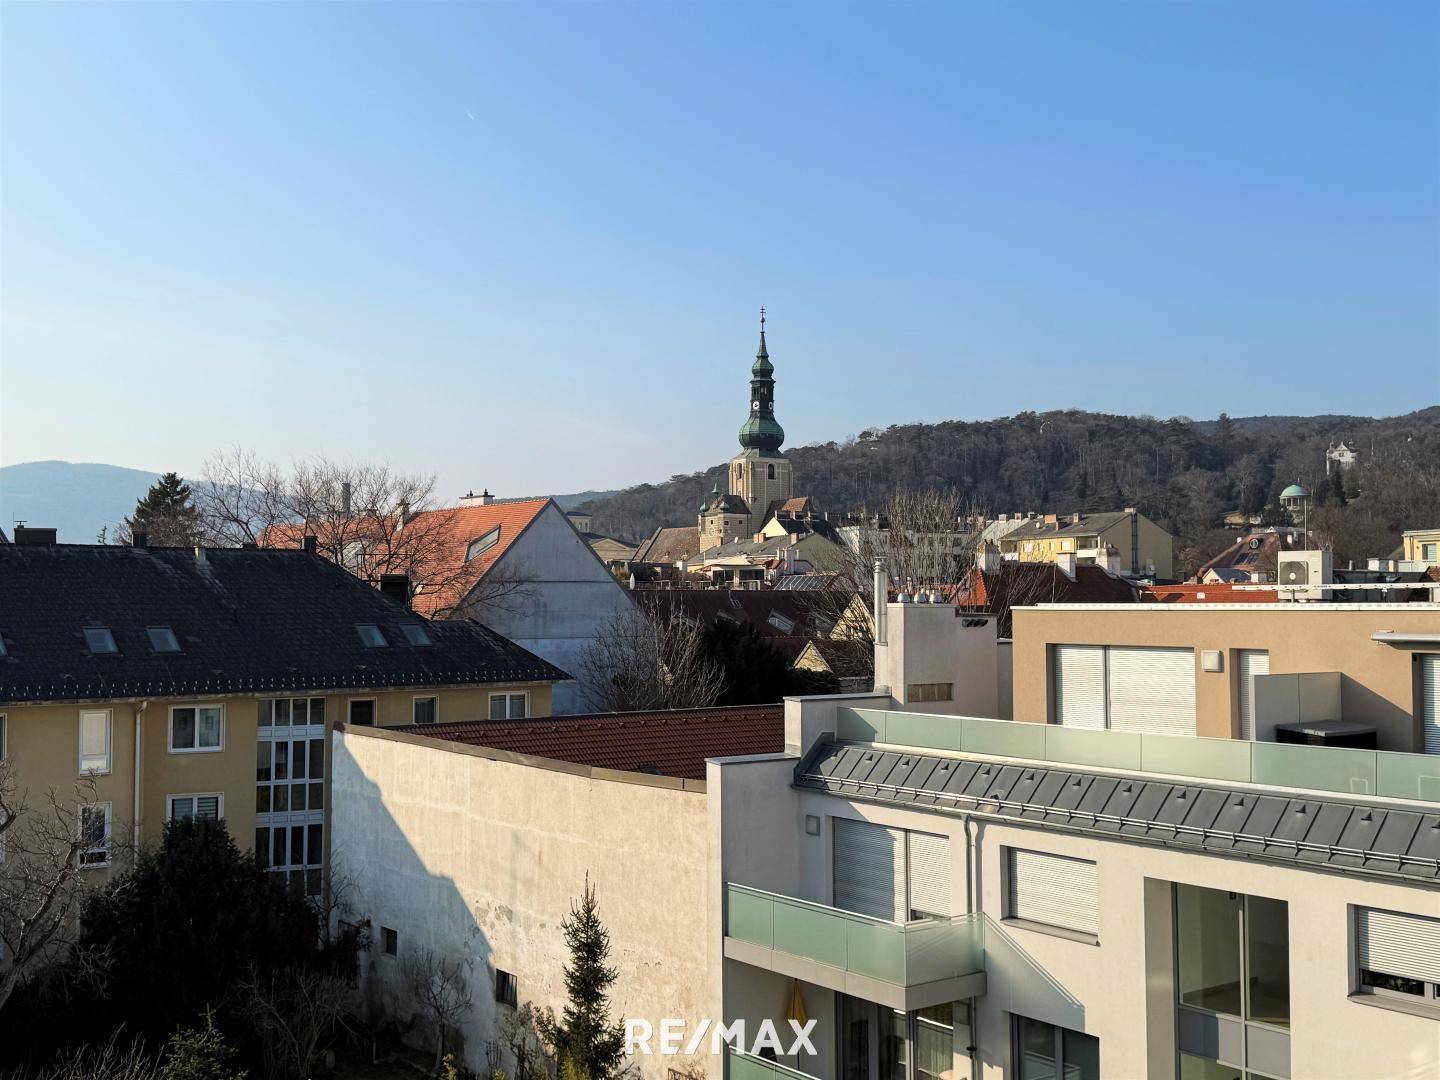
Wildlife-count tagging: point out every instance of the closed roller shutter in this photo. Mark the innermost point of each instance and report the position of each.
(929, 870)
(1252, 662)
(1080, 685)
(867, 869)
(1051, 889)
(1430, 692)
(1152, 690)
(1405, 945)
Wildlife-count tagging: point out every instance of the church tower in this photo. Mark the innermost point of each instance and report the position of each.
(760, 474)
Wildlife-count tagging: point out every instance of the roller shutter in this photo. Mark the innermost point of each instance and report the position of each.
(929, 872)
(1152, 690)
(868, 861)
(1252, 662)
(1051, 889)
(1080, 685)
(1395, 944)
(1430, 693)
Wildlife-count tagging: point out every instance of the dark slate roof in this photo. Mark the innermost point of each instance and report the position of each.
(1322, 833)
(672, 742)
(248, 621)
(1088, 525)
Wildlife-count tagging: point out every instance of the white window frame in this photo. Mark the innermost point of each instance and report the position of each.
(374, 712)
(197, 748)
(104, 849)
(507, 695)
(425, 697)
(219, 796)
(482, 543)
(109, 742)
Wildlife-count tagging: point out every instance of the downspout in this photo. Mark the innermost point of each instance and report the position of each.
(135, 817)
(882, 596)
(972, 904)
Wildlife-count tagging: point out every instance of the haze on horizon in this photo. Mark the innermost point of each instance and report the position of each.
(523, 245)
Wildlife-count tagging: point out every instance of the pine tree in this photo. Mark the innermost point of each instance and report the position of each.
(1336, 484)
(587, 1045)
(1224, 430)
(166, 514)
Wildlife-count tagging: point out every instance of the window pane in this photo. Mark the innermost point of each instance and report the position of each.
(497, 707)
(262, 800)
(1267, 953)
(210, 727)
(1082, 1056)
(282, 711)
(1196, 1068)
(262, 846)
(297, 844)
(277, 848)
(317, 759)
(1207, 926)
(262, 762)
(207, 806)
(282, 761)
(362, 713)
(425, 710)
(181, 809)
(267, 712)
(893, 1043)
(182, 729)
(315, 850)
(317, 710)
(517, 706)
(300, 711)
(317, 796)
(281, 798)
(934, 1043)
(1037, 1050)
(297, 758)
(297, 796)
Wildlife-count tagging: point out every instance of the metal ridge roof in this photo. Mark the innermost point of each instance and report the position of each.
(1370, 840)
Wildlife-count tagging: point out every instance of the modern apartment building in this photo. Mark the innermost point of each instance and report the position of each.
(964, 898)
(205, 682)
(1233, 671)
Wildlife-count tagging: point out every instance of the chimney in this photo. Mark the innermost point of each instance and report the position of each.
(308, 543)
(139, 539)
(200, 559)
(31, 537)
(471, 499)
(397, 587)
(987, 557)
(1065, 561)
(345, 498)
(881, 598)
(1052, 519)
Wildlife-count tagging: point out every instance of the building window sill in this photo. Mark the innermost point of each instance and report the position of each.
(1396, 1004)
(1052, 931)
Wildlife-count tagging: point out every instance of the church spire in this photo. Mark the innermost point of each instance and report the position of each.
(761, 431)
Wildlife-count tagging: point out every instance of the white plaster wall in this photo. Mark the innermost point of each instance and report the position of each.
(568, 596)
(930, 643)
(482, 859)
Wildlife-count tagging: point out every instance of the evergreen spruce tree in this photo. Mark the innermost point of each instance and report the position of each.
(1336, 484)
(166, 514)
(1225, 430)
(587, 1045)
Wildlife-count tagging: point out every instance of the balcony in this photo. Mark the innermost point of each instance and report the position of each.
(745, 1067)
(906, 966)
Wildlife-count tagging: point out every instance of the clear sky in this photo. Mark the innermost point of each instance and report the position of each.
(522, 245)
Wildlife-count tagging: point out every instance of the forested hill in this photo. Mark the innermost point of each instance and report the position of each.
(1184, 473)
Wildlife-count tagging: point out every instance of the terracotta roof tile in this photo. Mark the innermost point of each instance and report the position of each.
(670, 743)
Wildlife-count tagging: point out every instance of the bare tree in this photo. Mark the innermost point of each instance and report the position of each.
(649, 660)
(296, 1012)
(42, 876)
(111, 1060)
(367, 517)
(441, 988)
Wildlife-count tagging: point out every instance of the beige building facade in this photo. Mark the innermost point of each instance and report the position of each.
(1144, 548)
(1229, 671)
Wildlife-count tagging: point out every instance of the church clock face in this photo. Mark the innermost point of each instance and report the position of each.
(754, 406)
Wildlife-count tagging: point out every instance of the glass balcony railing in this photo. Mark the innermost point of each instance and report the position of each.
(904, 955)
(1384, 773)
(745, 1067)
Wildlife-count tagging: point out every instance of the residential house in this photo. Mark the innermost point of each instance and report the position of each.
(487, 833)
(852, 662)
(614, 553)
(1421, 546)
(787, 619)
(1233, 670)
(1145, 549)
(205, 682)
(997, 585)
(1252, 557)
(520, 567)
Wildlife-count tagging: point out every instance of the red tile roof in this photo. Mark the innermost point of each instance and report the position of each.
(671, 743)
(1017, 584)
(1205, 594)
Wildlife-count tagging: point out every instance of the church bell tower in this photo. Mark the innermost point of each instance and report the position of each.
(760, 474)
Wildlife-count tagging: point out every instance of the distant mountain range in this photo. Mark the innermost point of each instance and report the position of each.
(79, 498)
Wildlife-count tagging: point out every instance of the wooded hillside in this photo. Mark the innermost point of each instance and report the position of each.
(1183, 473)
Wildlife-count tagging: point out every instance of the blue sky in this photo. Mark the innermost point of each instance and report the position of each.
(523, 245)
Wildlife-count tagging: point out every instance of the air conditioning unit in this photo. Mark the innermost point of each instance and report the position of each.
(1303, 575)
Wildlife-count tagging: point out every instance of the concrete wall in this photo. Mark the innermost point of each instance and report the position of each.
(1379, 683)
(932, 643)
(566, 597)
(479, 854)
